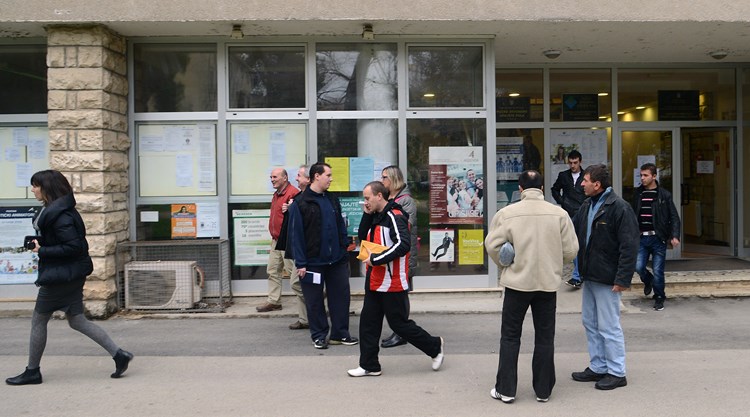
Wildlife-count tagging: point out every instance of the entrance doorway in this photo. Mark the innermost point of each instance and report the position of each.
(707, 199)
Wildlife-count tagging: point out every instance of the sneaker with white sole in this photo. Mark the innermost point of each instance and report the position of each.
(542, 400)
(359, 371)
(320, 344)
(437, 361)
(346, 341)
(496, 395)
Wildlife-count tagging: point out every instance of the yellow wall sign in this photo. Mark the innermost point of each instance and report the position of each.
(471, 247)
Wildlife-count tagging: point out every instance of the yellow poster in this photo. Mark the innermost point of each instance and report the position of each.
(471, 247)
(340, 172)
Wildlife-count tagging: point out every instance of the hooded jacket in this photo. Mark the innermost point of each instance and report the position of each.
(63, 249)
(543, 237)
(389, 228)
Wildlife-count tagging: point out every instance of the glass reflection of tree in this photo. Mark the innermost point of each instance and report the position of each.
(267, 77)
(445, 77)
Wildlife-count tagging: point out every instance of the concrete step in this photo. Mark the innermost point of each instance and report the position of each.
(731, 283)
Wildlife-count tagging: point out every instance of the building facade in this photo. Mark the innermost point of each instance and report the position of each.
(149, 108)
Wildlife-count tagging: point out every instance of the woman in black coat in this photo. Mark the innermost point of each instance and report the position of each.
(64, 264)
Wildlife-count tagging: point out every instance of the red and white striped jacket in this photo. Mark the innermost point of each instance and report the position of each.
(390, 268)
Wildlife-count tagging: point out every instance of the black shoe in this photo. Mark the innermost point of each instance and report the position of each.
(587, 376)
(611, 382)
(122, 359)
(28, 377)
(659, 304)
(647, 287)
(574, 283)
(388, 338)
(320, 344)
(347, 341)
(394, 341)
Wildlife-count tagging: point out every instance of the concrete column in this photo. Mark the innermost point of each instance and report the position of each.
(87, 103)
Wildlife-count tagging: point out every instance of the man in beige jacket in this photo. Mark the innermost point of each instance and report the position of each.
(544, 239)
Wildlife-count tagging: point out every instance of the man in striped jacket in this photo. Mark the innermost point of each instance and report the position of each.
(385, 223)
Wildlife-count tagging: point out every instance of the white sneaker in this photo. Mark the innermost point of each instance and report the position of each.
(496, 395)
(542, 400)
(358, 371)
(437, 361)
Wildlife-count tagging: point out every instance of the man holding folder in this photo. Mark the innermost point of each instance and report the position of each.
(384, 232)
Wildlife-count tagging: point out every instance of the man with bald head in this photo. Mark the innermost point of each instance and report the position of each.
(277, 265)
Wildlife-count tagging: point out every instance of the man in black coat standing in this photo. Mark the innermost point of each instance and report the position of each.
(568, 193)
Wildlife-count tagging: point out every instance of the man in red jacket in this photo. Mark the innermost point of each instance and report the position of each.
(386, 283)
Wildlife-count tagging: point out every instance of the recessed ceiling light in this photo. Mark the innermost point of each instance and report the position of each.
(429, 95)
(620, 112)
(603, 94)
(514, 94)
(640, 107)
(602, 117)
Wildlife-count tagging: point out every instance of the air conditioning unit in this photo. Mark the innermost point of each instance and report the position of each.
(166, 285)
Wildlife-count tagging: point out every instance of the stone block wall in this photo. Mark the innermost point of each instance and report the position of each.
(87, 119)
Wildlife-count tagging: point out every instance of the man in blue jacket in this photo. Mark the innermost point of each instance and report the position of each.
(318, 240)
(659, 225)
(608, 245)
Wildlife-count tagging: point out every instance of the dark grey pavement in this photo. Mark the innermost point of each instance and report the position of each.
(692, 359)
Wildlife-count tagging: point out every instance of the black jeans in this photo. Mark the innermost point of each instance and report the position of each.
(336, 280)
(543, 307)
(395, 307)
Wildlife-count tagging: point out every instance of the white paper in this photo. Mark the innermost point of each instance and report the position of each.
(20, 136)
(207, 159)
(704, 167)
(149, 216)
(241, 140)
(151, 143)
(24, 170)
(278, 149)
(184, 170)
(208, 219)
(12, 154)
(37, 148)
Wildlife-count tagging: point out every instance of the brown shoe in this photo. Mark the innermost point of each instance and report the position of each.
(266, 307)
(298, 325)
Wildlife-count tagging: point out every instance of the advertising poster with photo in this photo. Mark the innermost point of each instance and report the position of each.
(442, 245)
(17, 265)
(184, 221)
(509, 158)
(252, 241)
(456, 185)
(591, 143)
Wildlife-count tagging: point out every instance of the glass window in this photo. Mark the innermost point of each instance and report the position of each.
(266, 77)
(356, 76)
(746, 156)
(639, 147)
(519, 95)
(461, 179)
(580, 95)
(647, 95)
(375, 138)
(516, 151)
(446, 76)
(259, 147)
(174, 78)
(23, 79)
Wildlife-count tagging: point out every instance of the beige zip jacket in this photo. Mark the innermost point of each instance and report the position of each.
(543, 237)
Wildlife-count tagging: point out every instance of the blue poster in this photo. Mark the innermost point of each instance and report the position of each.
(360, 173)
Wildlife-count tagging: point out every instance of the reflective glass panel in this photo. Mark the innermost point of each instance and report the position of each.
(446, 76)
(174, 78)
(519, 95)
(356, 76)
(23, 79)
(580, 95)
(647, 95)
(266, 77)
(746, 157)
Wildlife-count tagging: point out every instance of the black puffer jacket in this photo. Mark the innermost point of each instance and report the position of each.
(612, 251)
(64, 251)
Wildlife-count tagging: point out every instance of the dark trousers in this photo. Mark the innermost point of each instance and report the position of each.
(394, 306)
(515, 305)
(336, 280)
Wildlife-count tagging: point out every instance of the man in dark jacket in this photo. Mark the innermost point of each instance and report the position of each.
(568, 193)
(608, 243)
(659, 224)
(318, 240)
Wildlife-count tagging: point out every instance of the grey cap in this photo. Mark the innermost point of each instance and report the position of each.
(507, 254)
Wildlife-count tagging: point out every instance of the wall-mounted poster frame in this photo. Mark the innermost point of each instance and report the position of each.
(176, 159)
(24, 150)
(256, 148)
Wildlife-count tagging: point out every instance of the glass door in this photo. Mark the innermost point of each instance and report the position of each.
(643, 146)
(707, 198)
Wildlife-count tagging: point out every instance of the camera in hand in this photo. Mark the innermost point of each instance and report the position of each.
(28, 242)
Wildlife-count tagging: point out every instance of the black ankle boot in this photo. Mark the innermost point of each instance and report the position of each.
(28, 377)
(122, 359)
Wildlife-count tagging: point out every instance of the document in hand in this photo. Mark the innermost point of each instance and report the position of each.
(366, 248)
(311, 278)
